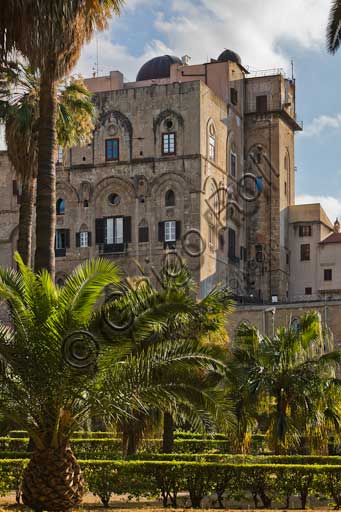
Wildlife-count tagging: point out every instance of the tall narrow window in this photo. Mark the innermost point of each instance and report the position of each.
(328, 274)
(60, 155)
(232, 244)
(143, 231)
(170, 198)
(261, 104)
(233, 163)
(60, 207)
(305, 252)
(211, 143)
(62, 241)
(168, 144)
(112, 152)
(170, 231)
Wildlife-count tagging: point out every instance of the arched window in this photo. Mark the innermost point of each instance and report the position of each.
(170, 198)
(211, 142)
(60, 206)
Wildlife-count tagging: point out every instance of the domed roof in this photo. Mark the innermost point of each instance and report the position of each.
(159, 67)
(230, 55)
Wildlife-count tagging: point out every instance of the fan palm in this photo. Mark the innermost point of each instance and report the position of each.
(186, 322)
(19, 111)
(50, 34)
(57, 368)
(290, 372)
(334, 27)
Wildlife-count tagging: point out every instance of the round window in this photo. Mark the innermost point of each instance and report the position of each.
(114, 199)
(169, 124)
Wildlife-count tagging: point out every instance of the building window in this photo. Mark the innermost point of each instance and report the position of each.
(170, 198)
(305, 252)
(304, 231)
(234, 96)
(168, 144)
(170, 231)
(232, 244)
(60, 207)
(62, 241)
(143, 232)
(112, 151)
(285, 188)
(84, 239)
(261, 104)
(86, 203)
(233, 163)
(113, 233)
(328, 274)
(308, 291)
(60, 155)
(211, 143)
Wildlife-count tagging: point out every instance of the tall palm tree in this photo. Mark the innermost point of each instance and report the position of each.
(334, 27)
(184, 322)
(291, 372)
(19, 111)
(50, 34)
(57, 367)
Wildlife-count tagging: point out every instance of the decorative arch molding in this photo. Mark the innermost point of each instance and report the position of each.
(170, 178)
(162, 116)
(13, 234)
(210, 179)
(86, 190)
(122, 120)
(112, 181)
(70, 190)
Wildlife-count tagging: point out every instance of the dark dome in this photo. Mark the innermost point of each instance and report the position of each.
(159, 67)
(230, 55)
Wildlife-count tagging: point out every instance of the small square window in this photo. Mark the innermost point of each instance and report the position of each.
(304, 230)
(112, 150)
(328, 274)
(308, 291)
(305, 252)
(168, 144)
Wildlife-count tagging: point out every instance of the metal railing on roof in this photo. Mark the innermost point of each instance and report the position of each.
(267, 72)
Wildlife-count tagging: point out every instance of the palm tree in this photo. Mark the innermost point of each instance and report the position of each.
(334, 27)
(291, 372)
(19, 111)
(57, 368)
(186, 322)
(50, 34)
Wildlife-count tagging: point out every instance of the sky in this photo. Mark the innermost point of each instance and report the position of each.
(267, 34)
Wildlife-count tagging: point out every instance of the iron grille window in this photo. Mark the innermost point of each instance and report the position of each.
(304, 231)
(305, 252)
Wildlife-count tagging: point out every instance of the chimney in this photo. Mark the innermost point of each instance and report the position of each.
(337, 228)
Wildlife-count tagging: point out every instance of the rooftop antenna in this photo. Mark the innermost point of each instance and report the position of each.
(292, 70)
(96, 55)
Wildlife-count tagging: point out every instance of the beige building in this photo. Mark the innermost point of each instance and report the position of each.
(197, 159)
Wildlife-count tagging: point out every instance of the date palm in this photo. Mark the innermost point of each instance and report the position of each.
(57, 368)
(50, 34)
(186, 322)
(334, 27)
(290, 372)
(19, 111)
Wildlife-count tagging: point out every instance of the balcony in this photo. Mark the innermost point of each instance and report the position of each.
(113, 248)
(274, 105)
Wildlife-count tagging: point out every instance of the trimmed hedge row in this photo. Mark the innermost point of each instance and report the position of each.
(265, 483)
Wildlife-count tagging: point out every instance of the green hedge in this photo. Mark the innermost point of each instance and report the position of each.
(264, 483)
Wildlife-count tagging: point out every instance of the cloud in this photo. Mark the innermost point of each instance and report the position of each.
(331, 205)
(320, 124)
(259, 30)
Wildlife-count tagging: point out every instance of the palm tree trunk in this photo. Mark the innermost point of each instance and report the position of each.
(52, 481)
(168, 433)
(26, 220)
(46, 180)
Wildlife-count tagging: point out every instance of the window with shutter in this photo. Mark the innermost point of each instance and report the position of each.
(112, 152)
(231, 244)
(62, 241)
(100, 231)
